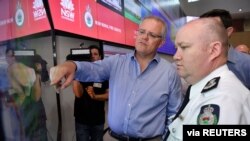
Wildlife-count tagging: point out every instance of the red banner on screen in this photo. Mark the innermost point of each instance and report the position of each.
(21, 18)
(130, 32)
(65, 15)
(19, 11)
(88, 15)
(38, 21)
(110, 25)
(91, 19)
(6, 19)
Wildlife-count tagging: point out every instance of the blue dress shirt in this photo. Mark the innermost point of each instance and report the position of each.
(239, 64)
(139, 102)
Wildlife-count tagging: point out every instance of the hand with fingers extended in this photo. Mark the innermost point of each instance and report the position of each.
(62, 75)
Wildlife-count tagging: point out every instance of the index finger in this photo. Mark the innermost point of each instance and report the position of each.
(55, 76)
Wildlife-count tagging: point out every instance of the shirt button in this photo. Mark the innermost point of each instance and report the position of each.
(173, 130)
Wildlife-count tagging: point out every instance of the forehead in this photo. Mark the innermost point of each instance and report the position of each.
(151, 24)
(243, 47)
(190, 33)
(185, 33)
(94, 50)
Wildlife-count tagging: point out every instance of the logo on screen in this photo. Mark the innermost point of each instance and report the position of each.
(88, 18)
(38, 10)
(19, 16)
(67, 10)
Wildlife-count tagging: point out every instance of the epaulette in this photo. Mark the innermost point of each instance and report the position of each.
(213, 83)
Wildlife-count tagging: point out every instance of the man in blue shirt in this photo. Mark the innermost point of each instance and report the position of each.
(145, 90)
(237, 62)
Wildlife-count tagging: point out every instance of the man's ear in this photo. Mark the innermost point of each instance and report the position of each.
(215, 50)
(230, 31)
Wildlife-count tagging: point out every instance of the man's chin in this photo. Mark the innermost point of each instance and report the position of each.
(181, 73)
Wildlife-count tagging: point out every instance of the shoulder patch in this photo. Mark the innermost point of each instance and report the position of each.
(209, 115)
(211, 84)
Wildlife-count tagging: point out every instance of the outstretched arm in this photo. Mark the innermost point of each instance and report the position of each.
(62, 75)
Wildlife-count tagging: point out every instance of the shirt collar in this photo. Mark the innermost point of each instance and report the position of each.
(156, 58)
(197, 88)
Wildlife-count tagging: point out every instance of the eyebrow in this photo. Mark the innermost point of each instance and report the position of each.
(183, 43)
(156, 34)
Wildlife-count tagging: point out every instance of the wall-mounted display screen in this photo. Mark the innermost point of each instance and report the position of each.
(20, 18)
(108, 20)
(79, 54)
(79, 51)
(115, 5)
(27, 52)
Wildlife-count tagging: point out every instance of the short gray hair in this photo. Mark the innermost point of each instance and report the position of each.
(160, 20)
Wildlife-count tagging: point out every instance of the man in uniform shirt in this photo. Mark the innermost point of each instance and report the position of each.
(145, 90)
(216, 93)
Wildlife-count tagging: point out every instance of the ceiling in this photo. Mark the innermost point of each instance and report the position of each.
(233, 6)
